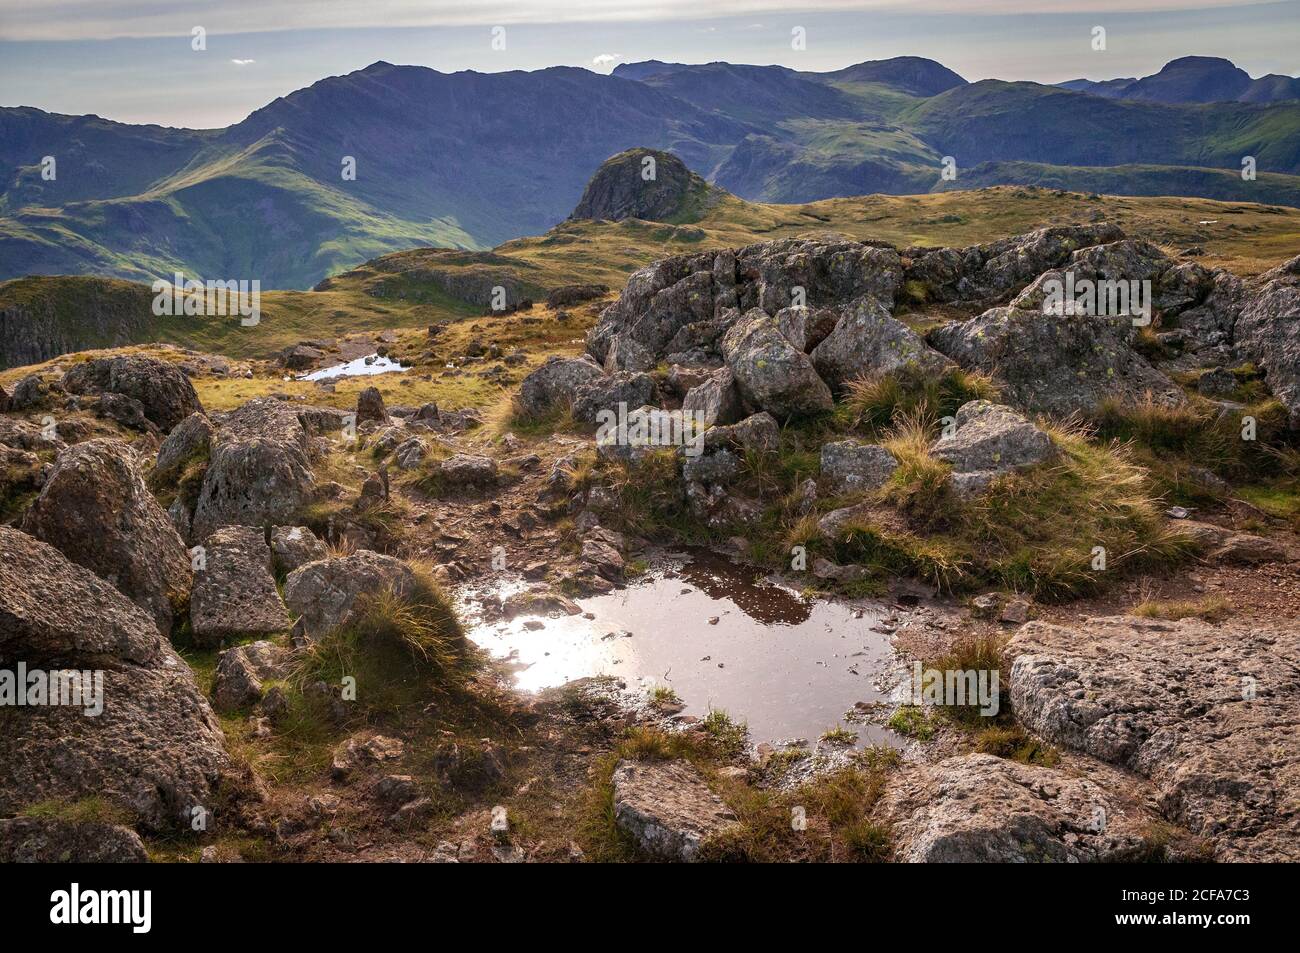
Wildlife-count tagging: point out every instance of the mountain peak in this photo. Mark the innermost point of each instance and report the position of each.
(641, 183)
(911, 74)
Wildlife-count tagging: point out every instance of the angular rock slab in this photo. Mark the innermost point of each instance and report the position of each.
(235, 594)
(977, 808)
(666, 807)
(1209, 713)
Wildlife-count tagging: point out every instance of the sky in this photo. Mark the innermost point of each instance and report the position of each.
(135, 60)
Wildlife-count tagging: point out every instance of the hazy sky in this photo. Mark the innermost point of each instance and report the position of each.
(132, 60)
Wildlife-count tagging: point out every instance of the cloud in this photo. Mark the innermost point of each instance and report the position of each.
(243, 62)
(606, 59)
(106, 19)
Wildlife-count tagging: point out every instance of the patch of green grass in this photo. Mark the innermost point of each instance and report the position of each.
(912, 721)
(839, 735)
(730, 736)
(86, 810)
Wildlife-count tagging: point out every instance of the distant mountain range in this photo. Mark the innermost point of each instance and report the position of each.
(469, 159)
(1195, 79)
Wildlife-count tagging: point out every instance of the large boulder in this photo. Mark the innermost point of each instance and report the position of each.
(770, 372)
(605, 394)
(556, 383)
(868, 341)
(259, 469)
(667, 809)
(162, 389)
(189, 440)
(97, 511)
(977, 808)
(154, 749)
(1268, 333)
(234, 590)
(1053, 364)
(322, 595)
(1209, 713)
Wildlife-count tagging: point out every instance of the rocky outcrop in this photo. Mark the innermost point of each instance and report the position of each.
(155, 748)
(977, 808)
(97, 511)
(259, 469)
(164, 392)
(234, 591)
(1268, 333)
(667, 809)
(1055, 365)
(640, 183)
(992, 271)
(322, 595)
(1208, 713)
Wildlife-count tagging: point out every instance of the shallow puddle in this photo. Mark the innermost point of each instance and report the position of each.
(721, 636)
(370, 364)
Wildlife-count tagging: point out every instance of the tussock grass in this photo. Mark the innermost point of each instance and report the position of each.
(1016, 744)
(509, 415)
(878, 401)
(1211, 609)
(1037, 530)
(403, 652)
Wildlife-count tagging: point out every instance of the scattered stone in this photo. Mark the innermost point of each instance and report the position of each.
(241, 671)
(370, 407)
(293, 547)
(465, 469)
(851, 466)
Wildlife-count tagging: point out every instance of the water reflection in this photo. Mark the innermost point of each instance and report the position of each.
(721, 636)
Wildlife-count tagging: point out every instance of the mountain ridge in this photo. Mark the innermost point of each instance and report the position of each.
(469, 159)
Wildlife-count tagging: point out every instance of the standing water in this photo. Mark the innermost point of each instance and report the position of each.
(721, 636)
